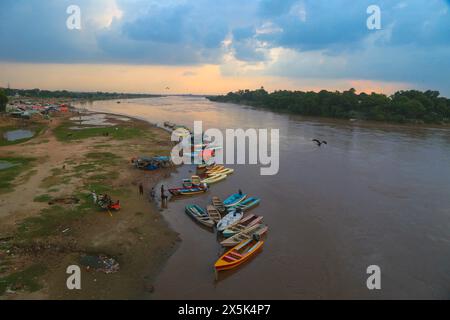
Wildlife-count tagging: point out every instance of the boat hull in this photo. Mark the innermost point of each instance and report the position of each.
(222, 264)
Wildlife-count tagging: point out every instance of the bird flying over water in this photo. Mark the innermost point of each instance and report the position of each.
(319, 143)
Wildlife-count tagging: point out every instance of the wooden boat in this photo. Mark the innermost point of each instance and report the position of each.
(238, 255)
(247, 221)
(215, 169)
(213, 213)
(189, 190)
(254, 231)
(234, 199)
(229, 220)
(214, 178)
(225, 171)
(169, 124)
(200, 215)
(247, 204)
(194, 181)
(205, 166)
(216, 202)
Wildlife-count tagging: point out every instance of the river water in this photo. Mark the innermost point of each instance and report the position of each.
(375, 195)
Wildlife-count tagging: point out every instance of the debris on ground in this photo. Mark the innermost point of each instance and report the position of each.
(100, 263)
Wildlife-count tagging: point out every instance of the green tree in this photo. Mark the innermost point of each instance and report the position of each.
(3, 101)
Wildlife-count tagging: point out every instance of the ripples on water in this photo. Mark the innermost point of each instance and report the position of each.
(376, 194)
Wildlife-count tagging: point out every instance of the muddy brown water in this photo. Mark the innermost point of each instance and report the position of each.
(375, 195)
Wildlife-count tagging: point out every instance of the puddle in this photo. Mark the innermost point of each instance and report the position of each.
(6, 165)
(18, 135)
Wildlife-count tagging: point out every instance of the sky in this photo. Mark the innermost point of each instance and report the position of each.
(217, 46)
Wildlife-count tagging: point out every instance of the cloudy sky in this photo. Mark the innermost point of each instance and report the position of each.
(215, 46)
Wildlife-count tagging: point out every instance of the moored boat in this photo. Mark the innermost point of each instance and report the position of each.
(215, 178)
(238, 255)
(216, 202)
(234, 199)
(254, 231)
(199, 215)
(214, 169)
(213, 213)
(229, 220)
(225, 171)
(194, 190)
(247, 204)
(247, 222)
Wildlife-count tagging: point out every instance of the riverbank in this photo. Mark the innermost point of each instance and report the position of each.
(62, 165)
(408, 107)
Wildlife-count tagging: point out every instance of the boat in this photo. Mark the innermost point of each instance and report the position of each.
(234, 199)
(216, 202)
(238, 255)
(225, 171)
(214, 178)
(247, 204)
(194, 181)
(246, 222)
(205, 166)
(229, 220)
(215, 169)
(213, 213)
(199, 215)
(169, 124)
(255, 231)
(189, 190)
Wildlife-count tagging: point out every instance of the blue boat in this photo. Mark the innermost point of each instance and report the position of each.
(234, 200)
(247, 204)
(197, 213)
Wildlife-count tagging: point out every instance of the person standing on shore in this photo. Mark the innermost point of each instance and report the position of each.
(141, 189)
(152, 195)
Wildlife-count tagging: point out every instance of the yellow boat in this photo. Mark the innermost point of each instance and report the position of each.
(214, 178)
(225, 171)
(238, 255)
(215, 169)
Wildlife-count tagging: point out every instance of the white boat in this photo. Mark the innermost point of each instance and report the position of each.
(229, 220)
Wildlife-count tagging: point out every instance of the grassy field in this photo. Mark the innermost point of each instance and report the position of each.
(65, 134)
(8, 175)
(23, 280)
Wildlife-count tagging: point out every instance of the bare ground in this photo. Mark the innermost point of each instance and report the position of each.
(137, 236)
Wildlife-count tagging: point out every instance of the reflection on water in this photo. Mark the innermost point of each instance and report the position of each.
(6, 165)
(18, 135)
(376, 194)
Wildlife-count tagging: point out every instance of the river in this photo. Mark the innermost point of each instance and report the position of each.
(375, 195)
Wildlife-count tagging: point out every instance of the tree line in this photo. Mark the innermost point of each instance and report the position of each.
(37, 93)
(411, 106)
(3, 100)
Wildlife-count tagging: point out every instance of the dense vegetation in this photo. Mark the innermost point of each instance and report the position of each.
(37, 93)
(3, 100)
(404, 106)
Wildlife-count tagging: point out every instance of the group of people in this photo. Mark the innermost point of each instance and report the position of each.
(152, 195)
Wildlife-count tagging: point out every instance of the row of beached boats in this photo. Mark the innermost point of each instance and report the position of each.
(198, 184)
(240, 231)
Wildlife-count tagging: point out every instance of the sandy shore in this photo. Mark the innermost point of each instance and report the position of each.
(39, 241)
